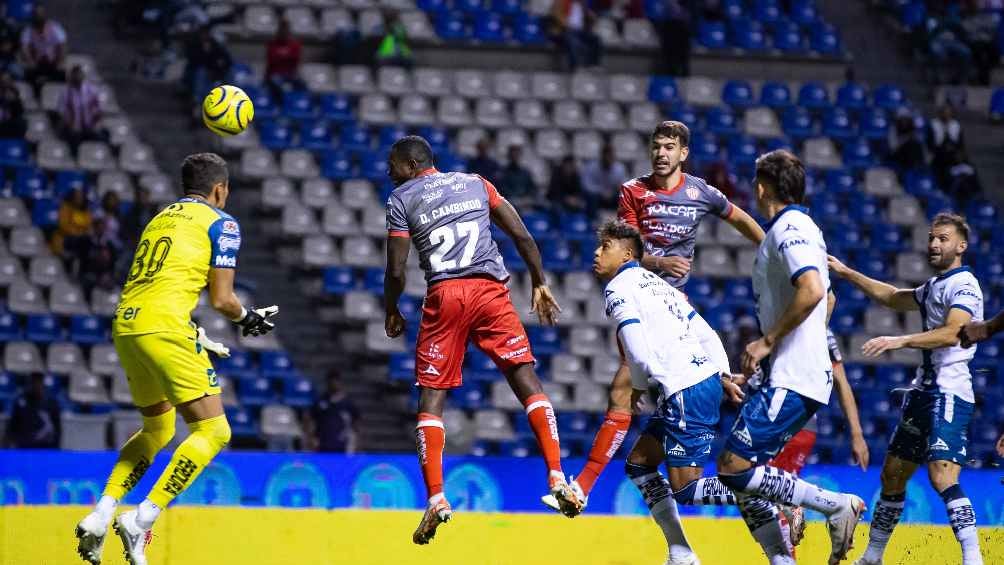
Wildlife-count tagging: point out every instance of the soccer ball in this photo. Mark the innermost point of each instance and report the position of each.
(227, 110)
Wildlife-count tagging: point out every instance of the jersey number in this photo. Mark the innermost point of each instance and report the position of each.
(444, 240)
(150, 258)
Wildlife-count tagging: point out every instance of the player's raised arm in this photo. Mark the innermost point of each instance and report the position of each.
(945, 336)
(899, 299)
(745, 224)
(505, 216)
(975, 332)
(225, 238)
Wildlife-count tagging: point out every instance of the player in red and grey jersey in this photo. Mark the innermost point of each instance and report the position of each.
(448, 216)
(666, 206)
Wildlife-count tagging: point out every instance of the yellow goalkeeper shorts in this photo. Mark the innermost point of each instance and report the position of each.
(166, 366)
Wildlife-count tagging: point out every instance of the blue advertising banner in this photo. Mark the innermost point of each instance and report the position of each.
(394, 481)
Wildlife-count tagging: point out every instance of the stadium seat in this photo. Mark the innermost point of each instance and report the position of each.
(95, 156)
(813, 96)
(852, 96)
(335, 107)
(319, 78)
(42, 328)
(25, 299)
(711, 35)
(825, 40)
(356, 79)
(881, 181)
(493, 424)
(22, 358)
(84, 432)
(889, 97)
(30, 183)
(528, 29)
(242, 422)
(738, 94)
(820, 153)
(640, 33)
(858, 154)
(298, 164)
(787, 38)
(279, 426)
(87, 329)
(997, 105)
(315, 135)
(589, 87)
(298, 392)
(85, 388)
(136, 158)
(67, 299)
(874, 124)
(837, 125)
(748, 35)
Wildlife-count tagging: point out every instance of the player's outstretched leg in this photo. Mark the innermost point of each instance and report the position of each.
(134, 460)
(658, 497)
(208, 437)
(430, 437)
(611, 434)
(760, 516)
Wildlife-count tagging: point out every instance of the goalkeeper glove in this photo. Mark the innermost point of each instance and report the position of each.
(255, 322)
(210, 345)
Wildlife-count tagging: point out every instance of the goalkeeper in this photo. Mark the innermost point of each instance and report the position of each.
(187, 246)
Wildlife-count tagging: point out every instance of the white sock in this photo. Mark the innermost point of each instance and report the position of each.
(436, 498)
(146, 514)
(886, 515)
(762, 520)
(665, 514)
(781, 486)
(963, 521)
(106, 508)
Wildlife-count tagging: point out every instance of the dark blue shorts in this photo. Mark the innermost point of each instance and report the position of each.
(685, 423)
(933, 427)
(767, 420)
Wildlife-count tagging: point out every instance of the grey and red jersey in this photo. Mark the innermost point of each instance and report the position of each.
(668, 219)
(447, 216)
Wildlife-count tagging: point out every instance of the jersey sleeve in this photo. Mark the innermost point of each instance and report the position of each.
(494, 198)
(718, 202)
(621, 309)
(795, 250)
(225, 242)
(626, 210)
(397, 218)
(965, 295)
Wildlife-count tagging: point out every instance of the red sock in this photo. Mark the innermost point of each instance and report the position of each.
(541, 415)
(608, 441)
(430, 435)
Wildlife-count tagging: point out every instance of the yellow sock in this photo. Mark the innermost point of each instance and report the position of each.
(138, 452)
(207, 439)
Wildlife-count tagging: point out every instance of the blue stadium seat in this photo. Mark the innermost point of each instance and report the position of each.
(873, 264)
(912, 14)
(858, 154)
(738, 292)
(242, 422)
(275, 134)
(30, 183)
(538, 224)
(438, 138)
(748, 35)
(788, 38)
(507, 7)
(775, 95)
(826, 205)
(315, 134)
(712, 35)
(256, 391)
(401, 367)
(42, 328)
(450, 162)
(356, 138)
(479, 367)
(489, 28)
(239, 365)
(893, 375)
(738, 94)
(700, 288)
(656, 10)
(472, 396)
(373, 280)
(373, 166)
(14, 153)
(804, 13)
(681, 112)
(888, 238)
(242, 75)
(10, 327)
(981, 214)
(825, 39)
(521, 448)
(336, 107)
(388, 135)
(767, 12)
(889, 97)
(703, 147)
(846, 319)
(545, 340)
(433, 6)
(837, 125)
(336, 165)
(410, 306)
(778, 143)
(721, 121)
(852, 96)
(298, 105)
(298, 392)
(20, 10)
(474, 8)
(559, 255)
(575, 425)
(68, 181)
(88, 329)
(8, 389)
(919, 183)
(45, 213)
(575, 226)
(529, 30)
(451, 27)
(797, 123)
(813, 96)
(276, 364)
(997, 104)
(663, 90)
(840, 181)
(264, 106)
(874, 124)
(742, 154)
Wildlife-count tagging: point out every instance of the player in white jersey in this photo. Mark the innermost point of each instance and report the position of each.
(939, 405)
(664, 340)
(789, 280)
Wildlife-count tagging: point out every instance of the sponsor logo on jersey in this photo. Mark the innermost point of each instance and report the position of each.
(515, 340)
(662, 209)
(791, 243)
(694, 359)
(791, 227)
(693, 193)
(227, 243)
(962, 451)
(434, 352)
(459, 188)
(231, 226)
(939, 445)
(515, 353)
(224, 261)
(648, 194)
(430, 370)
(966, 291)
(613, 304)
(433, 195)
(677, 450)
(743, 435)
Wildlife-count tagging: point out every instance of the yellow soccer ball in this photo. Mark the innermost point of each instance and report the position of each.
(227, 110)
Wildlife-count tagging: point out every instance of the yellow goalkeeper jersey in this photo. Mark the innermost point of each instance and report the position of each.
(171, 267)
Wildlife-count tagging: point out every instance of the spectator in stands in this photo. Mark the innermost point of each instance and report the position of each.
(964, 183)
(209, 62)
(282, 66)
(907, 151)
(111, 212)
(674, 31)
(516, 182)
(102, 251)
(981, 21)
(12, 121)
(571, 29)
(133, 222)
(10, 33)
(393, 49)
(944, 139)
(947, 45)
(483, 164)
(333, 423)
(601, 181)
(73, 229)
(34, 422)
(43, 48)
(565, 192)
(80, 111)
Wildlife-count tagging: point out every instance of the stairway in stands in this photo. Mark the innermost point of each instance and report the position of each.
(162, 121)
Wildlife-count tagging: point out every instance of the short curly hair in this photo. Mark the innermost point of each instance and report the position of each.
(623, 231)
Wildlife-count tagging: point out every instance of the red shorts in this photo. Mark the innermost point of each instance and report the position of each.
(795, 453)
(458, 310)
